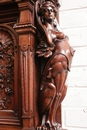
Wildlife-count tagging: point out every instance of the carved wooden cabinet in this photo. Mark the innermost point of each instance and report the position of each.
(20, 69)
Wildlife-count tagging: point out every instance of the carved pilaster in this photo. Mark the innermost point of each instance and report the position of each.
(26, 54)
(26, 31)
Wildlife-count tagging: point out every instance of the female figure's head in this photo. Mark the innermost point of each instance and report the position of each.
(47, 12)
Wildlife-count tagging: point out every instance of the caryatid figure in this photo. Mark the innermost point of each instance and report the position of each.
(54, 46)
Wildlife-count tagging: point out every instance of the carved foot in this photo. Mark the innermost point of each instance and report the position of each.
(48, 126)
(42, 128)
(57, 126)
(53, 126)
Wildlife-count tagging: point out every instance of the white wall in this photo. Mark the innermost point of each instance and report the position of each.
(73, 21)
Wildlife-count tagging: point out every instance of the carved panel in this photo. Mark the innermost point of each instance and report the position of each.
(8, 76)
(6, 68)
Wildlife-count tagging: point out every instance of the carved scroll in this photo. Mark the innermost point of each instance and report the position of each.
(53, 46)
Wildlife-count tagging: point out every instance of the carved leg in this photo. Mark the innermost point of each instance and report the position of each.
(53, 90)
(59, 72)
(46, 103)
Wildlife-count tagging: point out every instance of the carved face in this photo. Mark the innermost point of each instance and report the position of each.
(49, 14)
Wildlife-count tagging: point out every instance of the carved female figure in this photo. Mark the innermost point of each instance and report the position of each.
(54, 46)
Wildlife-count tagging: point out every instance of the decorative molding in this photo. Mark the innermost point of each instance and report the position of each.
(28, 29)
(26, 5)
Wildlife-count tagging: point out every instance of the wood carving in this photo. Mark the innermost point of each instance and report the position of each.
(26, 58)
(53, 45)
(9, 90)
(6, 68)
